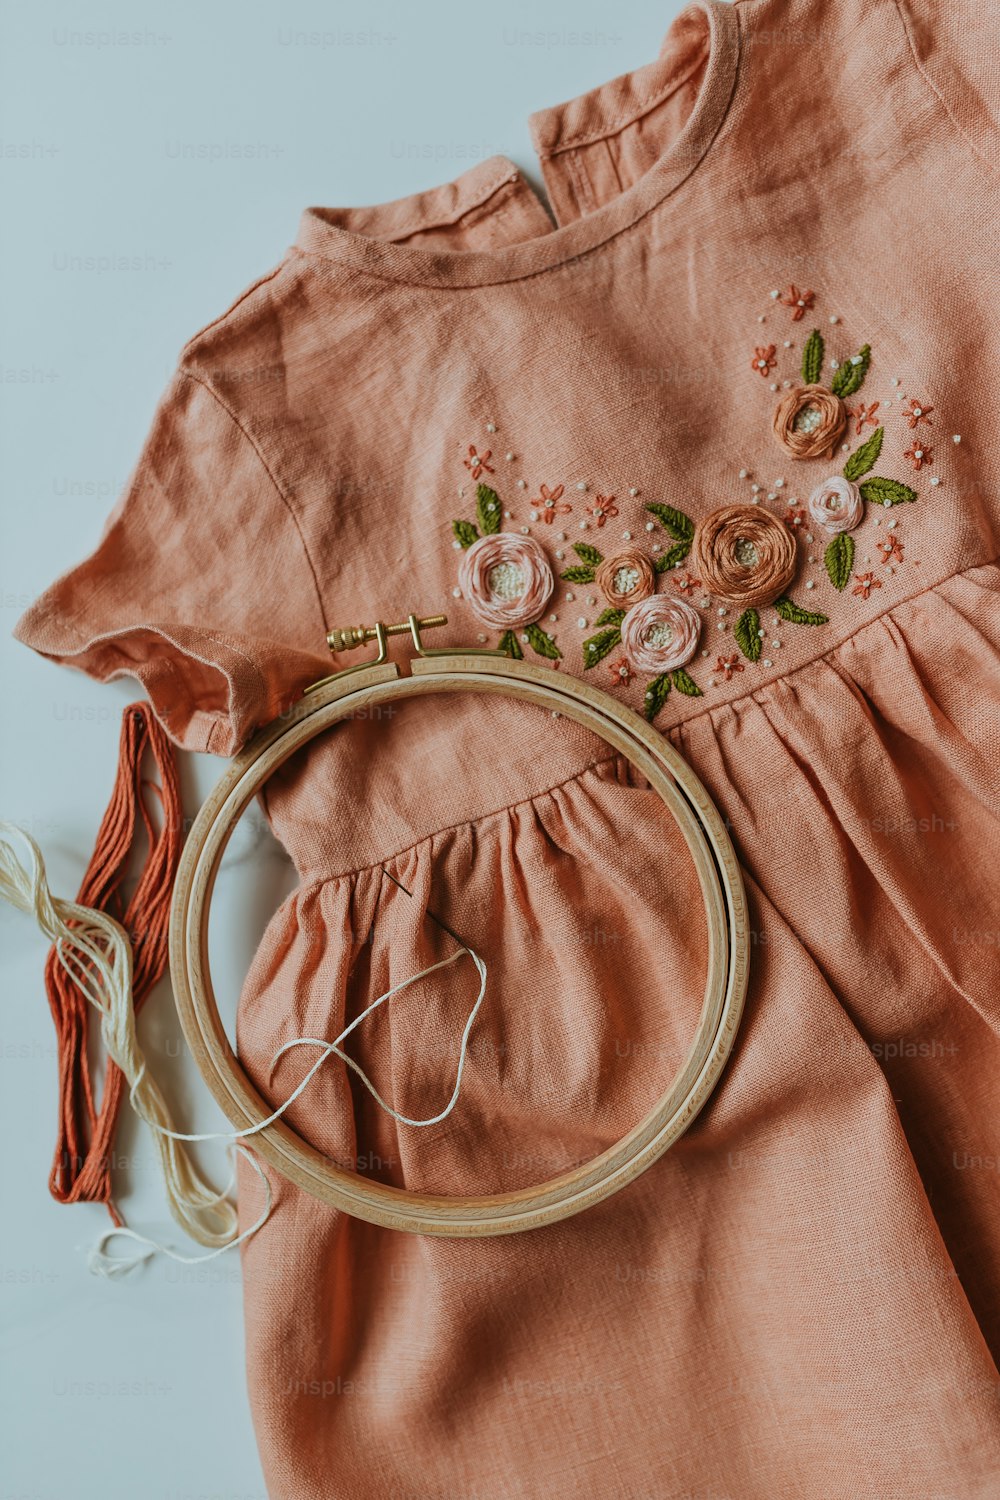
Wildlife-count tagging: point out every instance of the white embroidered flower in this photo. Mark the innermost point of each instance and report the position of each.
(660, 634)
(506, 580)
(836, 504)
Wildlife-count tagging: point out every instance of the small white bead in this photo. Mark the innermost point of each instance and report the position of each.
(705, 602)
(560, 536)
(877, 521)
(812, 559)
(656, 546)
(776, 644)
(761, 634)
(754, 499)
(507, 515)
(895, 380)
(706, 653)
(633, 492)
(755, 488)
(711, 680)
(456, 593)
(524, 639)
(810, 584)
(582, 623)
(810, 537)
(591, 599)
(570, 596)
(744, 473)
(560, 553)
(935, 481)
(957, 438)
(786, 385)
(893, 524)
(772, 495)
(553, 619)
(481, 637)
(834, 318)
(722, 624)
(457, 546)
(918, 411)
(649, 525)
(524, 530)
(581, 485)
(788, 343)
(626, 536)
(773, 386)
(534, 515)
(779, 484)
(768, 662)
(723, 610)
(509, 457)
(491, 427)
(584, 525)
(761, 317)
(775, 296)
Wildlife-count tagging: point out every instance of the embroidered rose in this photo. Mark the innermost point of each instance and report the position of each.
(626, 578)
(809, 421)
(660, 634)
(836, 504)
(744, 554)
(506, 580)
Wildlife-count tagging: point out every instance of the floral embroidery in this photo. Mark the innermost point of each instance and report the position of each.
(686, 582)
(836, 504)
(795, 516)
(626, 578)
(744, 554)
(727, 665)
(891, 550)
(680, 527)
(864, 583)
(764, 361)
(603, 509)
(918, 455)
(621, 672)
(809, 421)
(547, 506)
(863, 416)
(797, 301)
(918, 412)
(506, 579)
(478, 464)
(660, 635)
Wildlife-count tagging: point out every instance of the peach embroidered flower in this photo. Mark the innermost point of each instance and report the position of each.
(685, 582)
(506, 580)
(798, 301)
(917, 413)
(547, 505)
(727, 665)
(603, 509)
(836, 504)
(919, 454)
(862, 415)
(478, 463)
(891, 550)
(626, 578)
(660, 634)
(763, 360)
(744, 554)
(864, 583)
(809, 421)
(795, 517)
(621, 672)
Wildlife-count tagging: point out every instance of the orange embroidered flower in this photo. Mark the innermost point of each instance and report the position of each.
(603, 509)
(809, 422)
(798, 301)
(763, 360)
(744, 554)
(864, 583)
(919, 454)
(727, 665)
(891, 550)
(621, 672)
(795, 517)
(547, 504)
(626, 578)
(918, 413)
(686, 582)
(862, 415)
(478, 463)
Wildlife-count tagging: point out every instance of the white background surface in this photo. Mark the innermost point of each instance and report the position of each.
(125, 131)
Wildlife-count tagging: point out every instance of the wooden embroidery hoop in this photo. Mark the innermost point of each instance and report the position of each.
(365, 686)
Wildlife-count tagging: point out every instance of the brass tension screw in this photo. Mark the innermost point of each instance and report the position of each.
(358, 635)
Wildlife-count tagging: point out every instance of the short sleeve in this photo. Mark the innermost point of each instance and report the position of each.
(957, 49)
(201, 585)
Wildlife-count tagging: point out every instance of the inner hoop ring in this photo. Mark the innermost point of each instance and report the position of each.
(725, 910)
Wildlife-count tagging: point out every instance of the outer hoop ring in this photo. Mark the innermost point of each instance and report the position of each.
(726, 914)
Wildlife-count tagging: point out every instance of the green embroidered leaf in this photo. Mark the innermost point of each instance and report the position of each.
(839, 560)
(673, 555)
(465, 532)
(489, 511)
(850, 377)
(812, 358)
(578, 575)
(542, 643)
(610, 617)
(510, 643)
(886, 492)
(746, 634)
(789, 610)
(588, 554)
(685, 684)
(655, 696)
(597, 647)
(865, 457)
(676, 522)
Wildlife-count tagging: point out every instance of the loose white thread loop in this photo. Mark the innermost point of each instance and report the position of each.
(96, 951)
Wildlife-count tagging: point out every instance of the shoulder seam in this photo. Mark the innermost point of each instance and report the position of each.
(187, 374)
(933, 88)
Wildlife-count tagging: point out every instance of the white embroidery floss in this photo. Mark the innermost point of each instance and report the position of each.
(96, 950)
